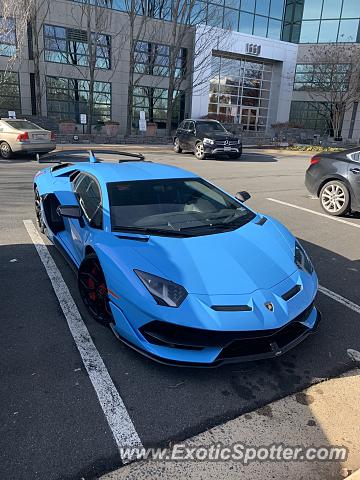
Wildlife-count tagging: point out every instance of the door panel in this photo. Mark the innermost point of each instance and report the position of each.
(354, 175)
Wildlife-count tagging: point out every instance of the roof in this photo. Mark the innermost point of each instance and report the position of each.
(128, 171)
(201, 120)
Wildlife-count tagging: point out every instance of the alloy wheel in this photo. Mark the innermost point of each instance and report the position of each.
(199, 151)
(93, 290)
(333, 198)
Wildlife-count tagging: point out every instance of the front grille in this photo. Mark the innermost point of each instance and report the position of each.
(242, 348)
(230, 143)
(162, 333)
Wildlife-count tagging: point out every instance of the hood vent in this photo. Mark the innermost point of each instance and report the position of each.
(291, 293)
(231, 308)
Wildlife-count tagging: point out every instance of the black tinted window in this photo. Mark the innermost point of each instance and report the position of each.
(89, 199)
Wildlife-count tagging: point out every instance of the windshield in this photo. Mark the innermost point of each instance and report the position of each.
(23, 125)
(210, 127)
(177, 207)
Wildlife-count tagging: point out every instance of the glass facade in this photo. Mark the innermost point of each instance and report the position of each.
(67, 98)
(7, 37)
(258, 17)
(68, 45)
(322, 77)
(321, 21)
(240, 91)
(9, 93)
(311, 115)
(153, 101)
(153, 59)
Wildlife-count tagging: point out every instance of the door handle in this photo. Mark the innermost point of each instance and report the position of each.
(355, 170)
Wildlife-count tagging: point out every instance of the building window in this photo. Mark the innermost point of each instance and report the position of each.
(240, 91)
(7, 37)
(68, 45)
(326, 21)
(311, 115)
(153, 101)
(235, 15)
(67, 98)
(320, 76)
(9, 93)
(154, 59)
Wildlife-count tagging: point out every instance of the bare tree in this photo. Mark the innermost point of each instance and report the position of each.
(139, 27)
(39, 12)
(186, 73)
(14, 18)
(332, 81)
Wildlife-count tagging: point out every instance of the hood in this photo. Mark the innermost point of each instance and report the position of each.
(220, 136)
(242, 261)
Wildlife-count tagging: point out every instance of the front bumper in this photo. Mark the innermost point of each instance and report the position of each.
(214, 150)
(252, 346)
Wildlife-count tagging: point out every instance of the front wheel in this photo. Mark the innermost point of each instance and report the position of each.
(38, 213)
(93, 289)
(200, 151)
(335, 198)
(177, 148)
(5, 150)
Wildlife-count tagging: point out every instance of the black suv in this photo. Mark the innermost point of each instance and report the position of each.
(206, 137)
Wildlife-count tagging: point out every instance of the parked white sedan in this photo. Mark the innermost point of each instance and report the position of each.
(19, 135)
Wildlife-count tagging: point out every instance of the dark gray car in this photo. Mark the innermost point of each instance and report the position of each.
(335, 179)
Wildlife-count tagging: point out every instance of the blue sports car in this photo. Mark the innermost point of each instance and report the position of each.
(180, 270)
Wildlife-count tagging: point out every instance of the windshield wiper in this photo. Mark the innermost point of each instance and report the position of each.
(149, 231)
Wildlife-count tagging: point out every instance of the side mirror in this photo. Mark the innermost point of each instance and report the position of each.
(69, 211)
(243, 196)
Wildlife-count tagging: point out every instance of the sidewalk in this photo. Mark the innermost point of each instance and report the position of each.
(326, 414)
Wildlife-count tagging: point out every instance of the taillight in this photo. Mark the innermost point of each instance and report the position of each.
(53, 137)
(315, 159)
(22, 137)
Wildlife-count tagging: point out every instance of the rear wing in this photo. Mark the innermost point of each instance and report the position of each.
(87, 156)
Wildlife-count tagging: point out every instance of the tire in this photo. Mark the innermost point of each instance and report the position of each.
(177, 148)
(200, 151)
(335, 198)
(5, 150)
(38, 214)
(93, 289)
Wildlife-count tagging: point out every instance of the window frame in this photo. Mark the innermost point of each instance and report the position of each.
(90, 222)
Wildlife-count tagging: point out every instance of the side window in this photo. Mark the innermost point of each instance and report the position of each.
(186, 125)
(355, 156)
(89, 199)
(191, 126)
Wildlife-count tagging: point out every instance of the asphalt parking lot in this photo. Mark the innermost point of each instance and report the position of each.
(52, 425)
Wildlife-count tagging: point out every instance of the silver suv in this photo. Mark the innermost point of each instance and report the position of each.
(22, 136)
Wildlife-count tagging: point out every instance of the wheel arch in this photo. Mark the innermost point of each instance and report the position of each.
(338, 178)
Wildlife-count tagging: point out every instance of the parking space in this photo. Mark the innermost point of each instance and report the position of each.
(55, 422)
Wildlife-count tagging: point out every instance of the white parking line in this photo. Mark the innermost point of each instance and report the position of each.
(344, 301)
(111, 403)
(336, 219)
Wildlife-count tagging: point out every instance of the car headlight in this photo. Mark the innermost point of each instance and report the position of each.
(239, 141)
(209, 141)
(165, 292)
(302, 260)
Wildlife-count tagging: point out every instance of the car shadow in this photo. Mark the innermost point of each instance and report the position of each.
(245, 157)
